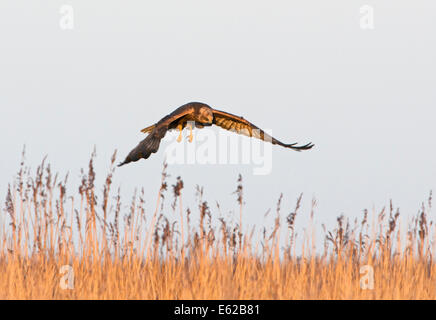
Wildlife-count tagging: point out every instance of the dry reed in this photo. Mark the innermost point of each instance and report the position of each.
(112, 253)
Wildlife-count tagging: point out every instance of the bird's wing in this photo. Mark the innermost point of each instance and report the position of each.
(156, 132)
(172, 117)
(147, 146)
(239, 125)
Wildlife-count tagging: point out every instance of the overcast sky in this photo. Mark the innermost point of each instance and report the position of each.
(307, 70)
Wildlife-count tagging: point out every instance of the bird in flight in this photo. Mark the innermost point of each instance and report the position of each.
(200, 115)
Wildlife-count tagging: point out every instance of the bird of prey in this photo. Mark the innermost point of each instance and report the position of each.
(200, 115)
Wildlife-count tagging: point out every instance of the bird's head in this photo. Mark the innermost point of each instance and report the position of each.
(205, 115)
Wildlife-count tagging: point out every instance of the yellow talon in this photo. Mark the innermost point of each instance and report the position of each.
(190, 133)
(180, 128)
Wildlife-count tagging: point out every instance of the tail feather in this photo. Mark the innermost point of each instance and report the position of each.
(148, 129)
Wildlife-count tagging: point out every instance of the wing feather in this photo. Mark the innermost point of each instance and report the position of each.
(238, 124)
(156, 132)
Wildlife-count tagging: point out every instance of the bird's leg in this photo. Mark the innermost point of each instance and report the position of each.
(180, 128)
(190, 132)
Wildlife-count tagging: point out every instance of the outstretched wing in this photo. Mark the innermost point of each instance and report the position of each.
(147, 146)
(239, 125)
(172, 117)
(156, 132)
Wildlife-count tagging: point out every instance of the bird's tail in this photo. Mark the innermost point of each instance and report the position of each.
(148, 129)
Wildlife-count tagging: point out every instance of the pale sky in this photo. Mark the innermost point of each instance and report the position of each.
(305, 69)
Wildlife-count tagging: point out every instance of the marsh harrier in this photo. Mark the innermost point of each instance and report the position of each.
(199, 115)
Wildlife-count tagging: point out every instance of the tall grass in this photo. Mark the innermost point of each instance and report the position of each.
(116, 253)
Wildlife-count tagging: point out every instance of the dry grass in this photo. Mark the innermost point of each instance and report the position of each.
(130, 254)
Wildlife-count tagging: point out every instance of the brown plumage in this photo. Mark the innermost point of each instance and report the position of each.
(201, 115)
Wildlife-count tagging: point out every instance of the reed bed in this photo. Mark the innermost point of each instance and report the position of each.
(88, 245)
